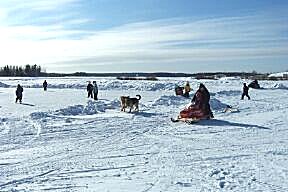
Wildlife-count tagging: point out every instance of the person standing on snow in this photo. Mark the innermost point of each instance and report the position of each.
(187, 89)
(90, 89)
(19, 92)
(95, 90)
(245, 91)
(45, 84)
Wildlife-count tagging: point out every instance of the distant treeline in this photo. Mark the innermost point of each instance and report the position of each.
(36, 71)
(18, 71)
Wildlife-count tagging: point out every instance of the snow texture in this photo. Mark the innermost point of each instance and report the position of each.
(60, 140)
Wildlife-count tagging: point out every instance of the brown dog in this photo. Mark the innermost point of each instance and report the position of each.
(126, 101)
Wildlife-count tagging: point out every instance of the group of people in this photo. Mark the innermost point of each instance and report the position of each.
(200, 107)
(179, 90)
(19, 91)
(92, 90)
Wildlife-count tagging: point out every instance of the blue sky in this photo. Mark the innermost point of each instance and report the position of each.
(145, 35)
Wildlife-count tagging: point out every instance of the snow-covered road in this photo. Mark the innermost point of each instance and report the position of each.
(60, 140)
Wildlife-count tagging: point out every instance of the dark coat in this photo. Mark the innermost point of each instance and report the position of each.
(89, 87)
(19, 91)
(45, 84)
(245, 89)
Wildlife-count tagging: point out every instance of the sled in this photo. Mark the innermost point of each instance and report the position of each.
(230, 109)
(185, 120)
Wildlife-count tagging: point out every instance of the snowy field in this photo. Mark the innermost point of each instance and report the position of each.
(60, 140)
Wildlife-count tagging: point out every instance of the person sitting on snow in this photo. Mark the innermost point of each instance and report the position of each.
(200, 107)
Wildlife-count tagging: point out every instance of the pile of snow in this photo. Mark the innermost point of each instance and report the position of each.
(217, 105)
(280, 86)
(91, 108)
(136, 85)
(282, 74)
(4, 85)
(230, 78)
(168, 100)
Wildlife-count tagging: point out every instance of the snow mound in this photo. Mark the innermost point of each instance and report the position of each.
(282, 74)
(217, 105)
(91, 108)
(230, 78)
(168, 100)
(229, 93)
(280, 86)
(136, 85)
(4, 85)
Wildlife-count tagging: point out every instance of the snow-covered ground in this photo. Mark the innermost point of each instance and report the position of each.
(280, 74)
(60, 140)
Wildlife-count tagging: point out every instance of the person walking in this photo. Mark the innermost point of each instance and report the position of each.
(19, 93)
(245, 91)
(95, 90)
(90, 89)
(45, 84)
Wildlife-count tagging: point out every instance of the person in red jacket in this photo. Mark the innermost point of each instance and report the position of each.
(200, 107)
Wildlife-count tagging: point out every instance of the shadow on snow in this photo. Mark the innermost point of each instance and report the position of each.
(216, 122)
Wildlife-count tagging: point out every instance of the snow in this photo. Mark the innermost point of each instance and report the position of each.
(60, 140)
(280, 74)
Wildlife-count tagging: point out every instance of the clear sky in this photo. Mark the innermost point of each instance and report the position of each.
(145, 35)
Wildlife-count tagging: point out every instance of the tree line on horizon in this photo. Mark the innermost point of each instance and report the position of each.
(19, 71)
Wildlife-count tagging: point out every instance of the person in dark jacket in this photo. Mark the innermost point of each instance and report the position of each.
(245, 91)
(90, 90)
(95, 90)
(45, 84)
(19, 92)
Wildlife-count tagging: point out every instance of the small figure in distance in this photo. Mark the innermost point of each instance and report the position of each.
(45, 84)
(19, 94)
(95, 90)
(245, 91)
(187, 89)
(90, 89)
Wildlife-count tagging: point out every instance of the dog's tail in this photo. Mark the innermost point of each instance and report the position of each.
(139, 97)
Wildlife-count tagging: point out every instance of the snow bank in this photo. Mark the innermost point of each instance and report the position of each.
(136, 85)
(217, 105)
(4, 85)
(169, 100)
(280, 86)
(230, 78)
(91, 108)
(282, 74)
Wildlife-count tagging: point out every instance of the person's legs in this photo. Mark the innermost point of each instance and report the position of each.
(248, 96)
